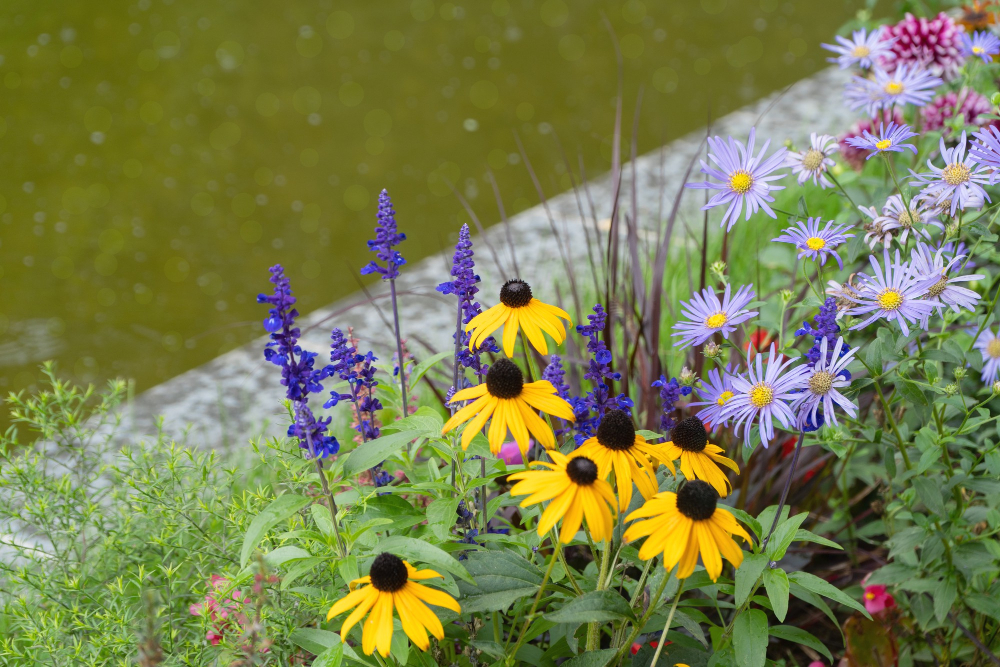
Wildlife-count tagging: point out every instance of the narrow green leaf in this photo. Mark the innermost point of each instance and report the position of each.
(747, 574)
(776, 584)
(592, 658)
(783, 536)
(425, 552)
(425, 365)
(286, 554)
(821, 587)
(800, 636)
(375, 451)
(280, 509)
(944, 597)
(750, 638)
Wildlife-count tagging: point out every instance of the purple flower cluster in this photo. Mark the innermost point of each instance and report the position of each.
(824, 326)
(298, 374)
(463, 285)
(556, 374)
(386, 239)
(670, 392)
(599, 400)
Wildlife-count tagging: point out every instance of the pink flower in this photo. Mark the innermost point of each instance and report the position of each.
(930, 43)
(967, 103)
(218, 608)
(816, 663)
(877, 599)
(511, 453)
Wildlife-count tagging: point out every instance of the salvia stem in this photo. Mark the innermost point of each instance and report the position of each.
(329, 495)
(399, 347)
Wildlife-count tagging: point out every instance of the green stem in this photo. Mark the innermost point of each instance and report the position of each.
(569, 573)
(841, 188)
(892, 172)
(593, 630)
(637, 628)
(670, 619)
(888, 416)
(534, 605)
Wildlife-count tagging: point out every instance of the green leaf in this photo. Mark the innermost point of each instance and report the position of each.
(321, 517)
(592, 658)
(748, 520)
(873, 357)
(800, 636)
(425, 419)
(280, 509)
(811, 582)
(283, 555)
(425, 552)
(501, 578)
(747, 574)
(375, 451)
(331, 657)
(425, 365)
(441, 515)
(776, 584)
(803, 535)
(929, 492)
(301, 567)
(984, 604)
(650, 435)
(944, 597)
(783, 536)
(318, 641)
(593, 607)
(750, 638)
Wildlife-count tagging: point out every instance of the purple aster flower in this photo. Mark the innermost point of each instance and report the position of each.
(298, 374)
(670, 392)
(944, 291)
(908, 84)
(986, 150)
(715, 394)
(708, 315)
(763, 395)
(862, 49)
(386, 239)
(894, 294)
(896, 221)
(742, 177)
(826, 377)
(960, 181)
(815, 243)
(981, 44)
(815, 161)
(888, 139)
(988, 344)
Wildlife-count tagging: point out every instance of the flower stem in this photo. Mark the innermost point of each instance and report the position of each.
(399, 347)
(841, 187)
(892, 172)
(557, 546)
(784, 493)
(637, 628)
(593, 630)
(341, 548)
(666, 628)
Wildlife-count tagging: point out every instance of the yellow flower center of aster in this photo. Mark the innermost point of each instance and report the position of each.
(815, 243)
(890, 299)
(993, 348)
(938, 287)
(715, 321)
(820, 382)
(861, 51)
(725, 396)
(812, 160)
(955, 173)
(907, 218)
(740, 182)
(978, 50)
(882, 145)
(761, 395)
(894, 88)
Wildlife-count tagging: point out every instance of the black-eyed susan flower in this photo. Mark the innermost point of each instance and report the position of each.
(391, 586)
(575, 492)
(689, 443)
(618, 447)
(511, 403)
(681, 524)
(518, 308)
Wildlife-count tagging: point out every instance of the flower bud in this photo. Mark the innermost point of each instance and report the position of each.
(786, 296)
(687, 377)
(718, 269)
(712, 350)
(995, 99)
(951, 389)
(996, 388)
(960, 373)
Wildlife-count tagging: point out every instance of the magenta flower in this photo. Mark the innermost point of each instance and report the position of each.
(743, 179)
(877, 599)
(930, 43)
(511, 453)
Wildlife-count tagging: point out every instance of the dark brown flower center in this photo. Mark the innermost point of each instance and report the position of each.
(388, 573)
(689, 435)
(582, 470)
(504, 379)
(515, 294)
(616, 431)
(696, 500)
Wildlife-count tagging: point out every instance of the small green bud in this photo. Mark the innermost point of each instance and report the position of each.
(718, 269)
(712, 350)
(960, 373)
(687, 377)
(951, 389)
(996, 388)
(786, 296)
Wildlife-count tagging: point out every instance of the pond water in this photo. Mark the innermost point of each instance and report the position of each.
(157, 156)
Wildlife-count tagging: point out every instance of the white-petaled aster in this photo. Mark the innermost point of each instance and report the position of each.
(764, 396)
(960, 181)
(823, 384)
(892, 294)
(945, 292)
(815, 161)
(896, 221)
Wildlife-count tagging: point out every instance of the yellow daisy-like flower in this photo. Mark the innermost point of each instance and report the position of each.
(682, 524)
(509, 400)
(518, 308)
(391, 586)
(689, 442)
(618, 447)
(575, 491)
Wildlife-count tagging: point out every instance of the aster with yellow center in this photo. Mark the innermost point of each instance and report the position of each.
(893, 292)
(981, 44)
(988, 344)
(705, 314)
(814, 162)
(960, 182)
(681, 525)
(689, 443)
(862, 49)
(815, 242)
(889, 138)
(519, 310)
(391, 586)
(763, 396)
(509, 403)
(575, 493)
(617, 447)
(826, 379)
(714, 393)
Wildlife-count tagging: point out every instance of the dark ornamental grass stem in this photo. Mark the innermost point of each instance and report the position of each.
(784, 491)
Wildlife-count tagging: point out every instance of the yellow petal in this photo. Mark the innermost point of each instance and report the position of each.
(709, 551)
(515, 422)
(476, 424)
(555, 511)
(536, 425)
(409, 619)
(510, 332)
(433, 596)
(359, 612)
(469, 393)
(498, 427)
(466, 413)
(349, 601)
(549, 403)
(555, 310)
(531, 330)
(414, 573)
(573, 518)
(685, 566)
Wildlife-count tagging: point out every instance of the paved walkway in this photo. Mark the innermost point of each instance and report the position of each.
(223, 402)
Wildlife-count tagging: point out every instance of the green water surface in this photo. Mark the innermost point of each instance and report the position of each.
(157, 156)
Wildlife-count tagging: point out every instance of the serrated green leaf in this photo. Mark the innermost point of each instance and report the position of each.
(593, 607)
(278, 510)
